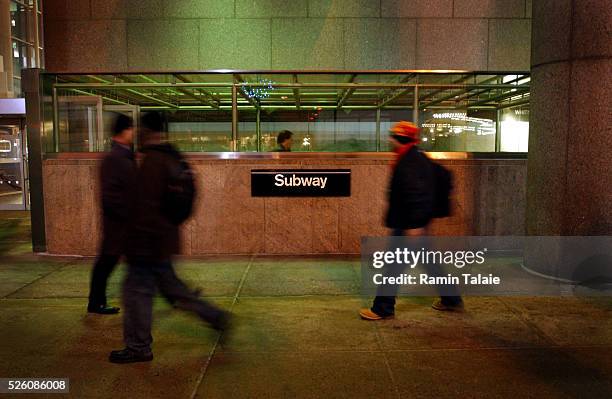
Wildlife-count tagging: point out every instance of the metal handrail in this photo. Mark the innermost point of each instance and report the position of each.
(382, 155)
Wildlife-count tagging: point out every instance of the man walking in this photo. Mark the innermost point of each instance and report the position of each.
(411, 208)
(117, 177)
(153, 240)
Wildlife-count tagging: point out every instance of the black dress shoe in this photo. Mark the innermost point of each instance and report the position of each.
(102, 309)
(224, 325)
(129, 356)
(223, 322)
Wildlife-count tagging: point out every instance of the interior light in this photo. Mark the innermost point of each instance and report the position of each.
(514, 135)
(523, 81)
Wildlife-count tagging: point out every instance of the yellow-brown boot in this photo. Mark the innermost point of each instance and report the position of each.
(367, 314)
(441, 306)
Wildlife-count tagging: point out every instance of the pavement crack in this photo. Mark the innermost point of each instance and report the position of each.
(386, 359)
(213, 350)
(529, 324)
(36, 280)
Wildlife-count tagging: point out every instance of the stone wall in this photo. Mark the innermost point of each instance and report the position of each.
(150, 35)
(570, 175)
(489, 200)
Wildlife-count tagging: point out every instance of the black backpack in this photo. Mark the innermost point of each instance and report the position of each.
(177, 203)
(443, 187)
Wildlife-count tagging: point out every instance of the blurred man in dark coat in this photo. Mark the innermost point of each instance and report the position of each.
(117, 177)
(411, 209)
(153, 240)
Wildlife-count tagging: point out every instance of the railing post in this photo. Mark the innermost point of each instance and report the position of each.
(415, 106)
(55, 121)
(258, 129)
(234, 143)
(378, 129)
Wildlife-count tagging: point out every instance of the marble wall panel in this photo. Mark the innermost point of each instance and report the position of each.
(488, 199)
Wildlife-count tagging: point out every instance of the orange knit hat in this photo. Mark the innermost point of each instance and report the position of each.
(405, 129)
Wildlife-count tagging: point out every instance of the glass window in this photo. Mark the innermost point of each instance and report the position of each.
(11, 167)
(79, 123)
(458, 130)
(514, 129)
(325, 112)
(26, 31)
(313, 130)
(200, 131)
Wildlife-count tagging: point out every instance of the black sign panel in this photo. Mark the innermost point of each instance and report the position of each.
(301, 183)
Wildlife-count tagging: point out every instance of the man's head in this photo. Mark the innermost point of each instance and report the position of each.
(123, 130)
(151, 127)
(403, 133)
(284, 139)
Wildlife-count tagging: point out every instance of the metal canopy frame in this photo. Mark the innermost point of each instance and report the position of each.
(300, 91)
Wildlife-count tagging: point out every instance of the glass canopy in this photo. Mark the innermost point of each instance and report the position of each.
(327, 111)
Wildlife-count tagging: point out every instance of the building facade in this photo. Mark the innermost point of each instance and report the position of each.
(335, 68)
(155, 35)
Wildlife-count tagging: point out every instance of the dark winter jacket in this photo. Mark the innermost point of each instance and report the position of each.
(117, 177)
(411, 192)
(152, 235)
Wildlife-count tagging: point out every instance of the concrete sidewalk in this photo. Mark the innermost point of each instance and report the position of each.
(298, 335)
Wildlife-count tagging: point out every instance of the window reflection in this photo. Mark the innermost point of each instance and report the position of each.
(458, 130)
(341, 112)
(26, 32)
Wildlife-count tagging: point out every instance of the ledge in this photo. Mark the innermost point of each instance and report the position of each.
(298, 156)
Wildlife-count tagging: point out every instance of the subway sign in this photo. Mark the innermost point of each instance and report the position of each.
(301, 183)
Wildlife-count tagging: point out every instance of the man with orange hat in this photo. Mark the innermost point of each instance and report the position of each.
(411, 208)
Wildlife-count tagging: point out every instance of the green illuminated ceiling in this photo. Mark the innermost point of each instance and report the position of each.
(300, 90)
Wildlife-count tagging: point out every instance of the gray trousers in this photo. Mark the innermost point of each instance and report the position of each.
(143, 280)
(384, 303)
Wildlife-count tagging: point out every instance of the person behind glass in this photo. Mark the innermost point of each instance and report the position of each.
(117, 176)
(153, 240)
(410, 210)
(284, 141)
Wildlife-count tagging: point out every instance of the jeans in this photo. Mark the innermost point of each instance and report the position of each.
(143, 280)
(385, 305)
(104, 266)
